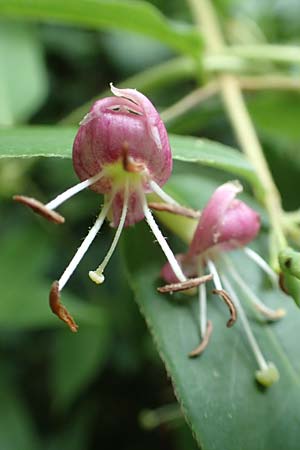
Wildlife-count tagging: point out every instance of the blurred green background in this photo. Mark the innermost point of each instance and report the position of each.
(57, 390)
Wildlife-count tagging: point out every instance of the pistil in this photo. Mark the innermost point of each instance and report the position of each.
(97, 275)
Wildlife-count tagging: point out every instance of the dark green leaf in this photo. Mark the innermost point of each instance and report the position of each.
(217, 392)
(137, 16)
(212, 154)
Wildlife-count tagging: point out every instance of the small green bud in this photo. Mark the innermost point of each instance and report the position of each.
(291, 286)
(289, 261)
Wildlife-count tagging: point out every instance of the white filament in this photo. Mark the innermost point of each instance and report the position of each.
(216, 279)
(262, 264)
(161, 240)
(85, 245)
(61, 198)
(162, 194)
(202, 309)
(250, 336)
(252, 296)
(97, 275)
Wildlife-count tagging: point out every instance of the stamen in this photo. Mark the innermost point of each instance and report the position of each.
(224, 296)
(203, 309)
(184, 285)
(39, 208)
(97, 275)
(222, 293)
(129, 164)
(47, 210)
(262, 264)
(162, 194)
(268, 374)
(204, 343)
(259, 305)
(161, 240)
(58, 308)
(61, 198)
(175, 209)
(85, 244)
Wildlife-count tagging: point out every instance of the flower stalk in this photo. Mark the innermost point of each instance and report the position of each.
(239, 116)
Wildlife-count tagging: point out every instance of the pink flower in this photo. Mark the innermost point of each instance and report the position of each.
(225, 224)
(121, 150)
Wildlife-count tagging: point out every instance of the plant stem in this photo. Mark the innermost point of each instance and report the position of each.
(230, 89)
(186, 103)
(247, 83)
(266, 52)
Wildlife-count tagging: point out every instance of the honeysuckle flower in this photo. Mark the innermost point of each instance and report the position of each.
(122, 151)
(225, 224)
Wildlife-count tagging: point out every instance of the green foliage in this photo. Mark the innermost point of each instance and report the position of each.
(59, 390)
(138, 16)
(217, 391)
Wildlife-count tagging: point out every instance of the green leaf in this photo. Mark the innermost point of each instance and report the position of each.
(217, 392)
(25, 289)
(36, 141)
(212, 154)
(57, 142)
(23, 80)
(137, 16)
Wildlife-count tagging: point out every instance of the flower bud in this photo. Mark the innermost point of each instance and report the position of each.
(225, 222)
(123, 134)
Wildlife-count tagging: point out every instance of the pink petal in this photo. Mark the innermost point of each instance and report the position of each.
(225, 222)
(188, 265)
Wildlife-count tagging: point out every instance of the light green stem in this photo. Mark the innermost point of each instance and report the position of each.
(267, 52)
(234, 103)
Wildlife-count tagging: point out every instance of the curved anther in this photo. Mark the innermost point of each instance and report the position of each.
(58, 308)
(232, 309)
(39, 208)
(184, 285)
(204, 342)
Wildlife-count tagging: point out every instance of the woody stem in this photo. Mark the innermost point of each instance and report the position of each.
(206, 19)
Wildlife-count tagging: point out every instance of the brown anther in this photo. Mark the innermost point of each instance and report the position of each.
(175, 209)
(129, 164)
(282, 284)
(184, 285)
(204, 342)
(233, 313)
(58, 308)
(39, 208)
